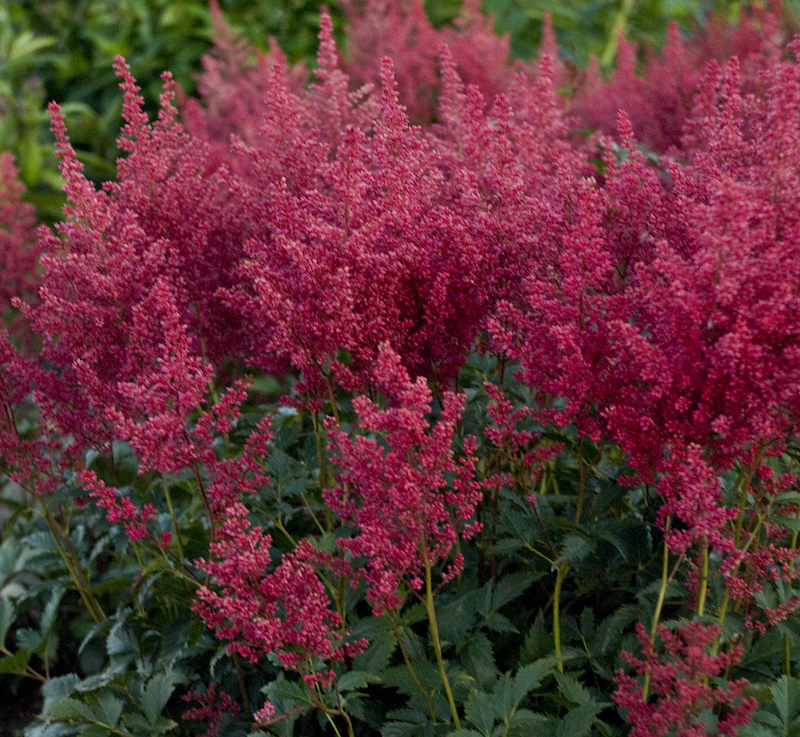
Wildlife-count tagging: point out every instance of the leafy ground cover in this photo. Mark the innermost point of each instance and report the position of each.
(421, 390)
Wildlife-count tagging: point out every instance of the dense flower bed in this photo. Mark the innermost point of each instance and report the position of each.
(342, 423)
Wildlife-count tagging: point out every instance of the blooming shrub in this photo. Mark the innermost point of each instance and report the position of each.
(536, 406)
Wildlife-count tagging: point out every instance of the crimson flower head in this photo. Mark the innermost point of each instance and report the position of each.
(395, 491)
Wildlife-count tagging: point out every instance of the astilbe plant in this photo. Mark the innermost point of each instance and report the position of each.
(658, 96)
(19, 251)
(681, 686)
(132, 275)
(648, 309)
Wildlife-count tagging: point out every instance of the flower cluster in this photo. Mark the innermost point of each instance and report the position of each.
(680, 685)
(406, 515)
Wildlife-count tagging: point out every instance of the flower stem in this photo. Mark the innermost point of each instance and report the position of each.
(407, 660)
(435, 633)
(561, 574)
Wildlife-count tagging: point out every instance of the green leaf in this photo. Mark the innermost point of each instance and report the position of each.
(786, 695)
(479, 709)
(96, 730)
(281, 689)
(6, 618)
(538, 642)
(70, 708)
(573, 690)
(523, 720)
(510, 587)
(478, 658)
(530, 676)
(29, 639)
(355, 679)
(156, 695)
(109, 709)
(378, 654)
(578, 722)
(465, 733)
(400, 729)
(50, 610)
(15, 663)
(575, 548)
(498, 623)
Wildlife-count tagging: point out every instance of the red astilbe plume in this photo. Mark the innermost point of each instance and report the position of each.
(506, 170)
(395, 492)
(570, 328)
(19, 250)
(680, 688)
(722, 310)
(658, 99)
(232, 88)
(211, 708)
(357, 248)
(36, 461)
(160, 241)
(401, 31)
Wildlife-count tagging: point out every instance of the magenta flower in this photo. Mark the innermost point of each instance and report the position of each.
(680, 684)
(395, 492)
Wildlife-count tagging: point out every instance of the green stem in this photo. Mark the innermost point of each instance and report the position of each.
(242, 688)
(561, 574)
(610, 51)
(407, 660)
(73, 566)
(701, 596)
(435, 632)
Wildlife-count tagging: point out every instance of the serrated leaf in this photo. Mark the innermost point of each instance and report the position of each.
(282, 689)
(50, 610)
(42, 729)
(58, 688)
(573, 690)
(28, 639)
(574, 549)
(378, 654)
(71, 708)
(355, 679)
(156, 695)
(790, 523)
(109, 709)
(465, 733)
(530, 676)
(786, 696)
(478, 658)
(96, 730)
(511, 587)
(400, 729)
(538, 641)
(136, 724)
(479, 709)
(524, 719)
(578, 722)
(498, 623)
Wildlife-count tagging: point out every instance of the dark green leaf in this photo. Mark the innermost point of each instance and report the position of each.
(355, 679)
(479, 709)
(578, 722)
(15, 663)
(786, 696)
(156, 695)
(70, 708)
